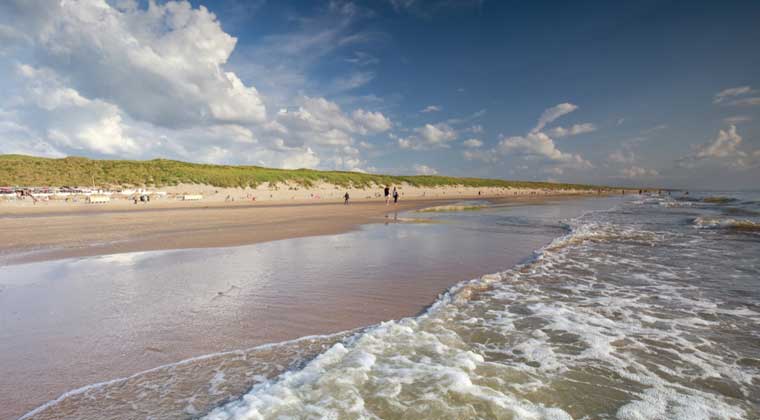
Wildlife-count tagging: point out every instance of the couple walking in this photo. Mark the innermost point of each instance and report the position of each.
(388, 195)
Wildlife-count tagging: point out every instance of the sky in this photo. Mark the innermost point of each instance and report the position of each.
(640, 93)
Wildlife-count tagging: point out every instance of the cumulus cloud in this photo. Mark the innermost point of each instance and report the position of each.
(537, 145)
(437, 134)
(304, 159)
(638, 172)
(428, 136)
(420, 169)
(431, 108)
(372, 121)
(723, 146)
(472, 143)
(129, 79)
(573, 130)
(723, 149)
(163, 64)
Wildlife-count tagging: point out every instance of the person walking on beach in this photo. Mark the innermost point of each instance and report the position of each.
(395, 196)
(387, 192)
(345, 198)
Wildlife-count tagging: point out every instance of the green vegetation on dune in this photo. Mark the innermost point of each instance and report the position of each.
(18, 170)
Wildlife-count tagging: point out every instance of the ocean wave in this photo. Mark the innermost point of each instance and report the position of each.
(705, 222)
(719, 200)
(587, 316)
(186, 388)
(598, 312)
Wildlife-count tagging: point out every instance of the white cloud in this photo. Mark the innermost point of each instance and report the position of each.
(552, 114)
(436, 134)
(638, 172)
(476, 129)
(724, 150)
(737, 119)
(487, 156)
(622, 156)
(304, 159)
(730, 93)
(431, 108)
(163, 64)
(574, 130)
(472, 143)
(467, 118)
(372, 121)
(420, 169)
(353, 81)
(361, 58)
(427, 8)
(428, 136)
(731, 97)
(132, 80)
(539, 146)
(746, 101)
(723, 146)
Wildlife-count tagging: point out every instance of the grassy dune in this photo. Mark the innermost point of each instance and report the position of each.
(18, 170)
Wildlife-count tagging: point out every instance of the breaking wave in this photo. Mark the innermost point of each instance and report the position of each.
(601, 324)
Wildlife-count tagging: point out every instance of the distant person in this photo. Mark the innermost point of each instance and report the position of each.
(387, 193)
(395, 196)
(345, 198)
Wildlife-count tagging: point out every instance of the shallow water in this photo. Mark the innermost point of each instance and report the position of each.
(65, 324)
(644, 311)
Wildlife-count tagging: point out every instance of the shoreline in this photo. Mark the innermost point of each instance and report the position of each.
(44, 233)
(163, 327)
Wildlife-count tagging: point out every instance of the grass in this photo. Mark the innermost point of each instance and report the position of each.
(19, 170)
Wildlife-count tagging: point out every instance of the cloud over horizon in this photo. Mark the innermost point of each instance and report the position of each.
(365, 86)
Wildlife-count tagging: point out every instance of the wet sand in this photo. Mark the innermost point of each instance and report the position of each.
(74, 232)
(73, 322)
(47, 233)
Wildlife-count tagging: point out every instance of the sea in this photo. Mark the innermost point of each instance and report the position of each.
(641, 307)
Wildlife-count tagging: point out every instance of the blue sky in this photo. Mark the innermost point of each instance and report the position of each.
(636, 93)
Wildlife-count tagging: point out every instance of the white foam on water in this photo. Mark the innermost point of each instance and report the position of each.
(705, 222)
(661, 403)
(217, 380)
(495, 347)
(599, 312)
